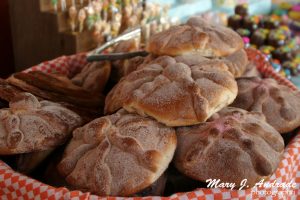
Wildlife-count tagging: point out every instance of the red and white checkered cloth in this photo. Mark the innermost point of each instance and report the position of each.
(65, 65)
(14, 185)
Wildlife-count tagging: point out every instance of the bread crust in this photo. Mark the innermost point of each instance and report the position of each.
(279, 103)
(93, 77)
(56, 88)
(196, 37)
(7, 91)
(30, 125)
(232, 146)
(251, 71)
(237, 63)
(118, 155)
(175, 93)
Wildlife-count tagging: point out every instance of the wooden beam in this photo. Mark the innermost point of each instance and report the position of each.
(39, 36)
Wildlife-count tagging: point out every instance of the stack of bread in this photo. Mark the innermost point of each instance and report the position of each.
(195, 104)
(39, 111)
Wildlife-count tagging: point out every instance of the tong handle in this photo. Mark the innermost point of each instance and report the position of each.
(116, 56)
(126, 36)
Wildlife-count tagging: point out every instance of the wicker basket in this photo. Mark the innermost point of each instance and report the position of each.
(14, 185)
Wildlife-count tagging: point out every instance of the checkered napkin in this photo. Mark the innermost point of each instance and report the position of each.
(65, 65)
(14, 185)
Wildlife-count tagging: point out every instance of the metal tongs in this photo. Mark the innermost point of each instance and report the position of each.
(96, 55)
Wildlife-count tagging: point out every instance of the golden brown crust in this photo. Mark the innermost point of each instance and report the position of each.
(175, 93)
(155, 189)
(55, 88)
(50, 82)
(126, 46)
(196, 37)
(251, 71)
(118, 155)
(279, 103)
(233, 146)
(237, 62)
(30, 125)
(7, 91)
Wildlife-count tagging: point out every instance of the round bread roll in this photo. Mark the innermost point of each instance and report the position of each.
(251, 71)
(57, 88)
(237, 62)
(234, 145)
(29, 125)
(118, 155)
(195, 37)
(175, 93)
(279, 103)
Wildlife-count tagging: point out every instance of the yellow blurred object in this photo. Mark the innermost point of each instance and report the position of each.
(282, 73)
(285, 6)
(294, 15)
(284, 27)
(223, 18)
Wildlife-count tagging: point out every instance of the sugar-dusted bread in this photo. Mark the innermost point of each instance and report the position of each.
(237, 62)
(251, 71)
(175, 93)
(232, 146)
(7, 91)
(30, 125)
(93, 77)
(56, 88)
(279, 103)
(197, 36)
(155, 189)
(121, 68)
(118, 155)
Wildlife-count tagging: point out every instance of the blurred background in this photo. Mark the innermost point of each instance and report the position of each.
(6, 49)
(34, 31)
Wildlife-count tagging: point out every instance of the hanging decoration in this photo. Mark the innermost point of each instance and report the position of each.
(109, 18)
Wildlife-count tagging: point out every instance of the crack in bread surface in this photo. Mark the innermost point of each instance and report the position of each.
(257, 148)
(119, 146)
(168, 95)
(278, 103)
(31, 125)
